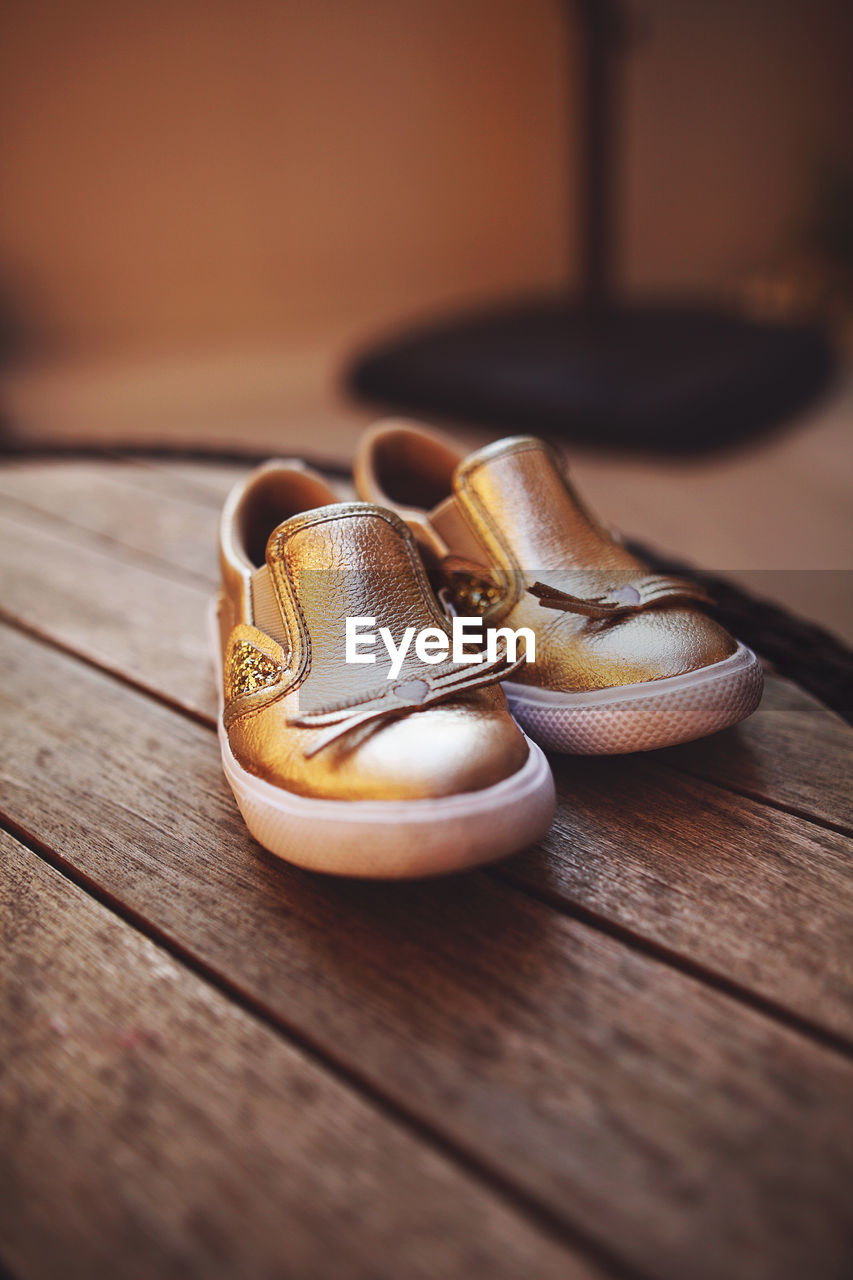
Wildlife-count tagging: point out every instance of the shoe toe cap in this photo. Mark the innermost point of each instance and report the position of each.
(646, 646)
(465, 744)
(458, 746)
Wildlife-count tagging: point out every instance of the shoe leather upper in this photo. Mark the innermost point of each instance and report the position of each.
(296, 713)
(510, 521)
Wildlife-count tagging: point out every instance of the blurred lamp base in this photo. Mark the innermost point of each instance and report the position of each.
(656, 378)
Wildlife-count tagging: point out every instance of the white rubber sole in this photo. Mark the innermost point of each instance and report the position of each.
(393, 839)
(641, 717)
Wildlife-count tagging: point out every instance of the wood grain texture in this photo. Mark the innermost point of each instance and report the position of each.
(113, 610)
(209, 482)
(758, 896)
(212, 481)
(152, 1128)
(674, 1127)
(801, 760)
(782, 694)
(752, 894)
(117, 502)
(142, 503)
(146, 510)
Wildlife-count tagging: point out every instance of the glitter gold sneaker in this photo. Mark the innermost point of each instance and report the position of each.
(626, 660)
(336, 766)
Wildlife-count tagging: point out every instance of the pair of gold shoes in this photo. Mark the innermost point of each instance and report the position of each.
(357, 738)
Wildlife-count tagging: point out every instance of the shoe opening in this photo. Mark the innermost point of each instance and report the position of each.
(273, 496)
(413, 468)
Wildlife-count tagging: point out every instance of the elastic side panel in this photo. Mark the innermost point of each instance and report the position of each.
(265, 609)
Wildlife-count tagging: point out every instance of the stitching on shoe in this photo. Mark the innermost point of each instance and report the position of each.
(510, 570)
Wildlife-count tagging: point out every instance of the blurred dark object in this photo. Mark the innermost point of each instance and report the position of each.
(678, 380)
(15, 343)
(655, 377)
(830, 228)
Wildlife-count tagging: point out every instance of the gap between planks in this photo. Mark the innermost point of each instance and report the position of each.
(491, 1177)
(695, 1005)
(165, 1029)
(554, 900)
(173, 703)
(121, 679)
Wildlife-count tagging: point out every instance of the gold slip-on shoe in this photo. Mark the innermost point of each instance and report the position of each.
(335, 766)
(625, 659)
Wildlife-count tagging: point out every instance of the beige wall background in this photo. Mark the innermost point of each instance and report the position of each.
(187, 176)
(202, 172)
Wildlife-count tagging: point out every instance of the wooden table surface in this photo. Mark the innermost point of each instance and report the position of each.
(627, 1052)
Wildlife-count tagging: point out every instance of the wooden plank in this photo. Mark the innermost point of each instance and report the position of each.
(212, 481)
(782, 694)
(156, 1129)
(801, 760)
(113, 501)
(766, 751)
(123, 615)
(754, 895)
(672, 1126)
(155, 512)
(153, 519)
(737, 914)
(94, 497)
